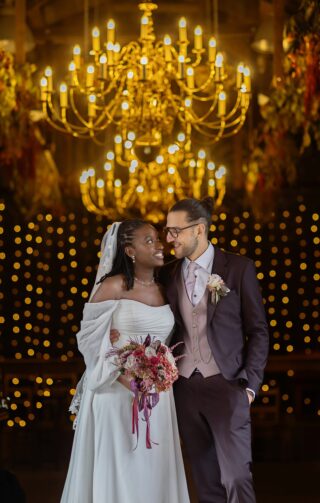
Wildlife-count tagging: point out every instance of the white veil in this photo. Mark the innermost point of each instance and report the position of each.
(108, 251)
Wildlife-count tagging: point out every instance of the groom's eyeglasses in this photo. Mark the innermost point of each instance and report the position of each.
(175, 231)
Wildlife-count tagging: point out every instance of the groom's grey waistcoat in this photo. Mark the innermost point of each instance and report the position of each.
(197, 352)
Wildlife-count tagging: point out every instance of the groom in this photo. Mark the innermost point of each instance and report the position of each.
(225, 346)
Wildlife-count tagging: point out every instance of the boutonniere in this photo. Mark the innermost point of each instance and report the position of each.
(217, 287)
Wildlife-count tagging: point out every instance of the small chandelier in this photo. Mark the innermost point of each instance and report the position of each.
(149, 86)
(130, 187)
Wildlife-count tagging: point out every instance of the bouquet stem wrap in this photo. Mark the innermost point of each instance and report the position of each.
(145, 402)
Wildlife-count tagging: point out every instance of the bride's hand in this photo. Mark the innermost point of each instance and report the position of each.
(124, 381)
(114, 335)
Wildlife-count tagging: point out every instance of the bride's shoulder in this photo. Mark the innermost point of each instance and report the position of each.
(111, 288)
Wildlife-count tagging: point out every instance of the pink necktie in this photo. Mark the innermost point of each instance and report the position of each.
(191, 279)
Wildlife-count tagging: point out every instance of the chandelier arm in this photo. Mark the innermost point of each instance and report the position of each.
(192, 92)
(97, 141)
(235, 131)
(94, 208)
(74, 130)
(122, 162)
(197, 60)
(130, 194)
(215, 138)
(76, 112)
(215, 125)
(53, 111)
(105, 92)
(205, 99)
(55, 126)
(235, 108)
(198, 120)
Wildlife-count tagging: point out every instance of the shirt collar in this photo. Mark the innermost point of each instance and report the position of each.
(205, 260)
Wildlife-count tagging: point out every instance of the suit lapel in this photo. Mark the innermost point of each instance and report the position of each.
(172, 290)
(219, 267)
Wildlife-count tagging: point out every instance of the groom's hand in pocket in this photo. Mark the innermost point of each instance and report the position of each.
(114, 335)
(250, 396)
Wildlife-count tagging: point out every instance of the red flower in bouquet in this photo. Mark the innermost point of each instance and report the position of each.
(151, 368)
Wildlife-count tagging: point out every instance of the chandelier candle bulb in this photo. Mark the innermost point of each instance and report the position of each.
(183, 30)
(181, 66)
(108, 167)
(63, 95)
(118, 144)
(219, 67)
(198, 38)
(92, 178)
(110, 53)
(43, 89)
(116, 51)
(240, 70)
(222, 104)
(212, 50)
(77, 56)
(103, 66)
(247, 78)
(117, 188)
(211, 187)
(73, 72)
(111, 31)
(48, 75)
(144, 66)
(95, 39)
(167, 48)
(90, 76)
(243, 92)
(190, 77)
(144, 27)
(92, 106)
(191, 169)
(101, 193)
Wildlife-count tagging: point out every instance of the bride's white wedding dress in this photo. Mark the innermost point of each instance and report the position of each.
(105, 467)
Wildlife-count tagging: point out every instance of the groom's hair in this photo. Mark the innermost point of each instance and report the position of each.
(122, 263)
(196, 210)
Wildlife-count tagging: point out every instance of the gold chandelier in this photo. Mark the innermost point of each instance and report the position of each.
(151, 87)
(129, 187)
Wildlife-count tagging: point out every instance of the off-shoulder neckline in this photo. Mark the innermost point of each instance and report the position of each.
(120, 300)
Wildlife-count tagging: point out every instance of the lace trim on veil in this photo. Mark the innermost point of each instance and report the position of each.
(77, 397)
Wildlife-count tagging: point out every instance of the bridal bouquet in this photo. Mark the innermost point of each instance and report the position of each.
(151, 368)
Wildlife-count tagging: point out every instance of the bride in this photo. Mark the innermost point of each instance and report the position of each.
(105, 467)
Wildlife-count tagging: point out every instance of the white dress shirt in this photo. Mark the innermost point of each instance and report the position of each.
(205, 262)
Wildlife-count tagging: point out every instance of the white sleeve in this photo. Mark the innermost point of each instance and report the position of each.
(94, 343)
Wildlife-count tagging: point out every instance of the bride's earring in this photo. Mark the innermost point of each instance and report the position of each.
(133, 259)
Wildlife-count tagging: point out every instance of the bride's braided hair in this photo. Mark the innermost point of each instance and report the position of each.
(122, 263)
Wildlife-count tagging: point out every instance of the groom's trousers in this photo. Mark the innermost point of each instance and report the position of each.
(214, 424)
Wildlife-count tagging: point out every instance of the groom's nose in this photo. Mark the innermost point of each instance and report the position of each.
(169, 238)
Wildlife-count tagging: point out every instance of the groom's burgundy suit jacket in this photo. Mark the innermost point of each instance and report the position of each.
(236, 326)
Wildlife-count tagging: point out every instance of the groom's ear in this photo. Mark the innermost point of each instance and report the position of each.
(202, 229)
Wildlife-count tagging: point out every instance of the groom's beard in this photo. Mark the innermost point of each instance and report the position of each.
(182, 250)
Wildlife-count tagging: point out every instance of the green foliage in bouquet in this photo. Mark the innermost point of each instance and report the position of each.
(291, 116)
(27, 167)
